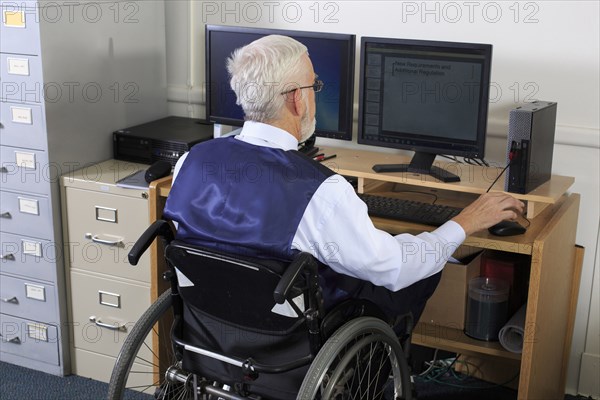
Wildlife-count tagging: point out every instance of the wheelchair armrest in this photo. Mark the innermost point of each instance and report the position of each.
(301, 261)
(158, 228)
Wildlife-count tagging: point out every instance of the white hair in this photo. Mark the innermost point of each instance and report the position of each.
(261, 71)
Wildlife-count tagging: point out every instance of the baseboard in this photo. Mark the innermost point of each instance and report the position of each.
(589, 385)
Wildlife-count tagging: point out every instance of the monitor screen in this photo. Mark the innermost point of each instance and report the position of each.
(427, 96)
(332, 56)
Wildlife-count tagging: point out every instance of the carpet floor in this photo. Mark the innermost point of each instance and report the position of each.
(18, 383)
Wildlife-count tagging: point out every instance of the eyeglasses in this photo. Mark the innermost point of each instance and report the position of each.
(317, 87)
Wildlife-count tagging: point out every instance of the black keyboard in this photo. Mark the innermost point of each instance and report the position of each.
(408, 210)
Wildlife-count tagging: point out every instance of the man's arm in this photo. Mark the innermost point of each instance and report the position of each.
(336, 228)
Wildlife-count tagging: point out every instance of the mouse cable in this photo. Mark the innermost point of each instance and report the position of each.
(511, 156)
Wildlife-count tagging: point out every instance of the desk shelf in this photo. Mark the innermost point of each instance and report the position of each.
(521, 244)
(454, 340)
(474, 179)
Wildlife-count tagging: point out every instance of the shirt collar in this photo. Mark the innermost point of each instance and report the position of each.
(262, 134)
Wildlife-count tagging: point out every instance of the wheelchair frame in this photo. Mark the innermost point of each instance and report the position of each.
(337, 347)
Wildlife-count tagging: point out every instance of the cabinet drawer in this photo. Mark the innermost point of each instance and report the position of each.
(29, 339)
(25, 214)
(113, 304)
(95, 219)
(22, 125)
(29, 257)
(99, 367)
(21, 77)
(26, 170)
(19, 27)
(28, 299)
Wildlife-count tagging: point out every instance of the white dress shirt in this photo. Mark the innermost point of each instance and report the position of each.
(337, 230)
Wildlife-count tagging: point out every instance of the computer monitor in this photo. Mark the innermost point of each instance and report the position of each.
(427, 96)
(332, 56)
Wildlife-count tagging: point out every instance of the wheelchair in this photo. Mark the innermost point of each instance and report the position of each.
(243, 328)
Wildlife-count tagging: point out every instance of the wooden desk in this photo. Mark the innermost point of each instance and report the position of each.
(555, 266)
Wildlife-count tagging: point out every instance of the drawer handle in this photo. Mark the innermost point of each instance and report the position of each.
(6, 215)
(112, 327)
(10, 257)
(96, 239)
(12, 300)
(14, 340)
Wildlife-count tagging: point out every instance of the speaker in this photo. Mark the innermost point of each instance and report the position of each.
(530, 146)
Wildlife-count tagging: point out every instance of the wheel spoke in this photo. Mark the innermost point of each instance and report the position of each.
(136, 364)
(355, 363)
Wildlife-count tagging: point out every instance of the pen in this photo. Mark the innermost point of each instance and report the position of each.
(320, 155)
(320, 159)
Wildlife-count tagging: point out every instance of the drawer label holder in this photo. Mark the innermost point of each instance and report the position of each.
(106, 214)
(109, 299)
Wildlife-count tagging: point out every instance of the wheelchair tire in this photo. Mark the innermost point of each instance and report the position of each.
(140, 337)
(350, 362)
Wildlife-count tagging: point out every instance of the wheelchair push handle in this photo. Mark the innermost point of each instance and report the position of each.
(158, 228)
(302, 260)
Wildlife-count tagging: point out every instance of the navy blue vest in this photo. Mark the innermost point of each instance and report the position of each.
(244, 199)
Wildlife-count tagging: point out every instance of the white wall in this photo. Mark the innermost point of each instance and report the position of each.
(547, 50)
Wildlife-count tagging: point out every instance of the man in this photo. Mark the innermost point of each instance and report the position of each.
(253, 194)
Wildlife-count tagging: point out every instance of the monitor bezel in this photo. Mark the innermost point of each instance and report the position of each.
(432, 144)
(350, 39)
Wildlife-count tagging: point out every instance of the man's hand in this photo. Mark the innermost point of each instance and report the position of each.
(488, 210)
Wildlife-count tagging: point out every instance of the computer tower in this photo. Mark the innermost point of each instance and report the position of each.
(530, 146)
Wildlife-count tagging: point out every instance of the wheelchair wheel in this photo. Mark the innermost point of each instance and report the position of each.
(362, 360)
(136, 369)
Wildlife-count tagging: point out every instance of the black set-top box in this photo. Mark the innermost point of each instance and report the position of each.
(164, 139)
(531, 130)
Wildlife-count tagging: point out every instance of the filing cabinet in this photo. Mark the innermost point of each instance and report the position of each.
(71, 73)
(106, 294)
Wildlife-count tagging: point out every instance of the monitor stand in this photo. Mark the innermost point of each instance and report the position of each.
(308, 147)
(421, 163)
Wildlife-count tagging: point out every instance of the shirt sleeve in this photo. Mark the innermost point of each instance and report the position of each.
(336, 229)
(178, 165)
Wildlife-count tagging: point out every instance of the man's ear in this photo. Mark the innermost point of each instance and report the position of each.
(298, 104)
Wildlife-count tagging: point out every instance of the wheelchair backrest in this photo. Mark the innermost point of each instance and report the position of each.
(232, 289)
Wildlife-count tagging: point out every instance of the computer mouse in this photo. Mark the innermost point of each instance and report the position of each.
(507, 228)
(159, 169)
